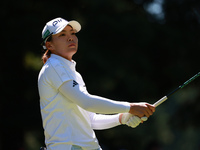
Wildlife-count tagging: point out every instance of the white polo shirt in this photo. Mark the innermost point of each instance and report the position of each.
(64, 122)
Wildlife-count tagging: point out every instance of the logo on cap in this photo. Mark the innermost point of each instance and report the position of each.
(56, 22)
(46, 34)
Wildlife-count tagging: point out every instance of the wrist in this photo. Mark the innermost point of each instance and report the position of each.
(120, 118)
(131, 108)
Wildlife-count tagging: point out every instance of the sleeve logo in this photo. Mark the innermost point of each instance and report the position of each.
(74, 83)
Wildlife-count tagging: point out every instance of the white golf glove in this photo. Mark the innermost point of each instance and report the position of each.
(131, 120)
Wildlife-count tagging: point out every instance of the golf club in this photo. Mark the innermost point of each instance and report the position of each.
(164, 98)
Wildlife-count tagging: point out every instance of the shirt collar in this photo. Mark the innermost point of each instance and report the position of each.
(71, 64)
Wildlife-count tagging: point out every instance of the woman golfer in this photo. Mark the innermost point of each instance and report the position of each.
(68, 110)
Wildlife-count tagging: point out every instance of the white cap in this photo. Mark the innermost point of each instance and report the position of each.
(55, 26)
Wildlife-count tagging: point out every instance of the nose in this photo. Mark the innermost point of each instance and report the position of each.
(70, 39)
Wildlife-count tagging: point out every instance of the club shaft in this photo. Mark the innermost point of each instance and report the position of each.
(160, 101)
(190, 80)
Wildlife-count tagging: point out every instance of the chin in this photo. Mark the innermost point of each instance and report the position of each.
(72, 52)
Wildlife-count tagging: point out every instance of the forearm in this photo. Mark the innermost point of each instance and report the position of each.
(102, 105)
(100, 122)
(92, 103)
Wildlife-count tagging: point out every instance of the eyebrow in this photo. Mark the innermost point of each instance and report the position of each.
(66, 31)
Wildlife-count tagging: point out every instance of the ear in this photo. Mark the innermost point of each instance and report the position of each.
(49, 45)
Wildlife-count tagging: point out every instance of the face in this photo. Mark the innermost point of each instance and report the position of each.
(64, 44)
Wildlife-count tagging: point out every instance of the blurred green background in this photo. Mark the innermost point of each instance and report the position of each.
(131, 50)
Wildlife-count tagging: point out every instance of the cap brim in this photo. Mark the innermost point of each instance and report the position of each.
(74, 24)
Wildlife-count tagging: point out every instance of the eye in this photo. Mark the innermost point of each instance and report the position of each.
(73, 33)
(62, 34)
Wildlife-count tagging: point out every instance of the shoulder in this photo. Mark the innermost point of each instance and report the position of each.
(52, 64)
(54, 73)
(49, 67)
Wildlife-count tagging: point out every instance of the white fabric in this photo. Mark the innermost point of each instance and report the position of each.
(99, 122)
(144, 118)
(130, 120)
(125, 117)
(133, 122)
(92, 103)
(57, 25)
(65, 123)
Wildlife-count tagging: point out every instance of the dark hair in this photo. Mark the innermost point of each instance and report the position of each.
(47, 53)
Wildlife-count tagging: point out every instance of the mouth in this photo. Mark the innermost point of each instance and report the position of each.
(72, 45)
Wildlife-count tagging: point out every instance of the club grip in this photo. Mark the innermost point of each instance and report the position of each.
(160, 101)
